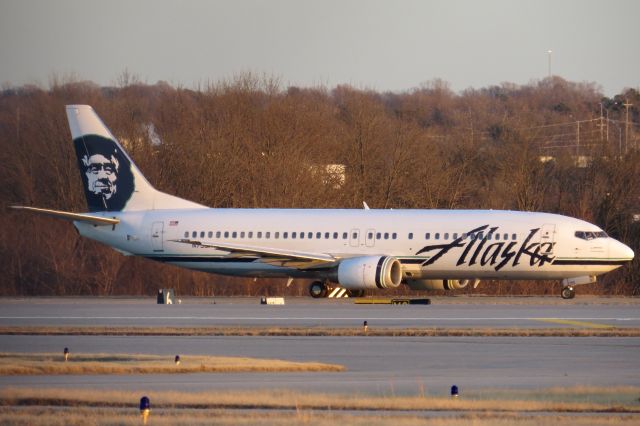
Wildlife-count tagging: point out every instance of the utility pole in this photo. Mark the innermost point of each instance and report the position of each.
(626, 104)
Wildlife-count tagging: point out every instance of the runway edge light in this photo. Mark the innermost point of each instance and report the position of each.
(454, 391)
(145, 408)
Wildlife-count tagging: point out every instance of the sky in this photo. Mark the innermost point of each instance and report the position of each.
(380, 45)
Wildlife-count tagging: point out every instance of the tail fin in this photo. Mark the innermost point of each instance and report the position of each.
(111, 180)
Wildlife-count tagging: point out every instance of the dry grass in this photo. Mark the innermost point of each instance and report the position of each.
(12, 364)
(623, 400)
(48, 416)
(322, 331)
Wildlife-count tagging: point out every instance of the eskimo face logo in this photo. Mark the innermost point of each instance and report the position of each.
(102, 174)
(106, 173)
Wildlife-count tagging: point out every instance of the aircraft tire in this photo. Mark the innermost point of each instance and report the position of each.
(568, 293)
(318, 290)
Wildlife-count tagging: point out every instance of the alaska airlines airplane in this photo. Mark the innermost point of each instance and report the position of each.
(353, 249)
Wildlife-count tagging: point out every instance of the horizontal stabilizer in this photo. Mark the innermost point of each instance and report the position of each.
(79, 217)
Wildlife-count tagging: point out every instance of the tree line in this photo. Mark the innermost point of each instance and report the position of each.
(552, 145)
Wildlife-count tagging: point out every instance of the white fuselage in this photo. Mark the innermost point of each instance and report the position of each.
(443, 244)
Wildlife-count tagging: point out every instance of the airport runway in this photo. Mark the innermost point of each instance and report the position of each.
(376, 365)
(305, 312)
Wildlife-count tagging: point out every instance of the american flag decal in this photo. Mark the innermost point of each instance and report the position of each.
(173, 223)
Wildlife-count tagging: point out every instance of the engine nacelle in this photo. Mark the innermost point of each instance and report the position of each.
(370, 272)
(438, 284)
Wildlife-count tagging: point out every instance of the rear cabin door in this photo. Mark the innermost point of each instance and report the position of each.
(157, 235)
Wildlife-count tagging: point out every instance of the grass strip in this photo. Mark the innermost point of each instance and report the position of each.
(29, 364)
(319, 331)
(295, 400)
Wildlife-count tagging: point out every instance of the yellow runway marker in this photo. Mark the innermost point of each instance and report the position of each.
(576, 323)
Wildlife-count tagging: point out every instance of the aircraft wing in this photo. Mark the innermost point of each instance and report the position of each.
(77, 217)
(271, 256)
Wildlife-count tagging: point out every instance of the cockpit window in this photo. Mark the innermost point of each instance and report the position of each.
(588, 235)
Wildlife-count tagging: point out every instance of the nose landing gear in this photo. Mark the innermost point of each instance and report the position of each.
(568, 292)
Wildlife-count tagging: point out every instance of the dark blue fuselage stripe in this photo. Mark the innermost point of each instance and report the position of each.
(589, 262)
(202, 259)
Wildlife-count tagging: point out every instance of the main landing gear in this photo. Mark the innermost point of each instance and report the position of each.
(319, 289)
(568, 292)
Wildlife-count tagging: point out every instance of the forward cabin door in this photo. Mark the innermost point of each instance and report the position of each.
(547, 238)
(157, 235)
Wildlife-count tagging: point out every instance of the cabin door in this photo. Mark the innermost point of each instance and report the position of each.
(547, 238)
(157, 235)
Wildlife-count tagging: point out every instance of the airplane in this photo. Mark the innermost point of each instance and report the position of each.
(355, 249)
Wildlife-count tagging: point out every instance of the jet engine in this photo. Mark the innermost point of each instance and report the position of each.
(440, 284)
(359, 273)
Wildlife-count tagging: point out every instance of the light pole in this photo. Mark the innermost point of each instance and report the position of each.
(549, 52)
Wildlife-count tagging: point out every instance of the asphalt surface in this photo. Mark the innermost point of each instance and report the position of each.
(305, 312)
(376, 365)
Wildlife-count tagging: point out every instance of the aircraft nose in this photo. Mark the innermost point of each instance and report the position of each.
(621, 251)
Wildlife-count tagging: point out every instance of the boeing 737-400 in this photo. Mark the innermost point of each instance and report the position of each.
(357, 249)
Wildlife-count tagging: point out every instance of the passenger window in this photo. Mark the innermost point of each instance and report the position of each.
(226, 234)
(293, 234)
(267, 235)
(488, 237)
(497, 237)
(513, 236)
(378, 236)
(480, 235)
(437, 236)
(505, 236)
(335, 235)
(242, 234)
(210, 234)
(427, 236)
(302, 235)
(455, 235)
(386, 235)
(186, 234)
(446, 235)
(394, 236)
(250, 234)
(370, 236)
(218, 234)
(411, 235)
(277, 235)
(327, 235)
(310, 235)
(345, 235)
(234, 234)
(259, 234)
(354, 235)
(194, 234)
(285, 235)
(464, 236)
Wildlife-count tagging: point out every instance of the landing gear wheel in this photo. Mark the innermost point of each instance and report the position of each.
(568, 292)
(355, 293)
(318, 289)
